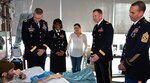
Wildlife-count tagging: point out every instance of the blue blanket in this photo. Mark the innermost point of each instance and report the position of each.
(84, 76)
(35, 78)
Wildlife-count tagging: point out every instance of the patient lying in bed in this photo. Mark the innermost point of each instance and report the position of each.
(33, 73)
(37, 75)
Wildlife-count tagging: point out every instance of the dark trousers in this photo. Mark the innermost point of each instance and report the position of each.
(128, 80)
(57, 63)
(103, 72)
(76, 63)
(35, 60)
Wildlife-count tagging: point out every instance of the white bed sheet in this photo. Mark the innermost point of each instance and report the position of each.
(36, 71)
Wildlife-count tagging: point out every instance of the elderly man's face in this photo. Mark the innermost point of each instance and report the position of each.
(10, 74)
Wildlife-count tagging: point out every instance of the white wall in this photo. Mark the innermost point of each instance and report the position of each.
(73, 11)
(51, 9)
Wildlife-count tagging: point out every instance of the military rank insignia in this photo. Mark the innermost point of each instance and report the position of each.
(145, 37)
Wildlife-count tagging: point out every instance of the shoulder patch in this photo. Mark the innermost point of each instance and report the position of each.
(146, 21)
(145, 37)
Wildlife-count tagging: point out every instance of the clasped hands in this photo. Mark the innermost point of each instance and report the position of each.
(60, 53)
(40, 52)
(94, 58)
(122, 67)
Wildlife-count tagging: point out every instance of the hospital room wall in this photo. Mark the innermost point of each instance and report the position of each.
(73, 11)
(80, 11)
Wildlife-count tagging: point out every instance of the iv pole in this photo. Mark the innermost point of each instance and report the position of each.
(6, 22)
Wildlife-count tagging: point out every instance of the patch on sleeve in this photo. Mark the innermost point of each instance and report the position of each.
(145, 37)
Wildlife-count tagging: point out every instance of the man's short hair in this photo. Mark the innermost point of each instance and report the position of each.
(5, 66)
(98, 10)
(38, 11)
(141, 5)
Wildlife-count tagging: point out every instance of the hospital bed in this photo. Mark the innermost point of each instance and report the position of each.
(83, 76)
(36, 71)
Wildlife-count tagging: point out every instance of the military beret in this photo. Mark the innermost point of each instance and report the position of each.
(5, 66)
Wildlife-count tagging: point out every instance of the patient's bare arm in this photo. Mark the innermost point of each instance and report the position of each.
(49, 78)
